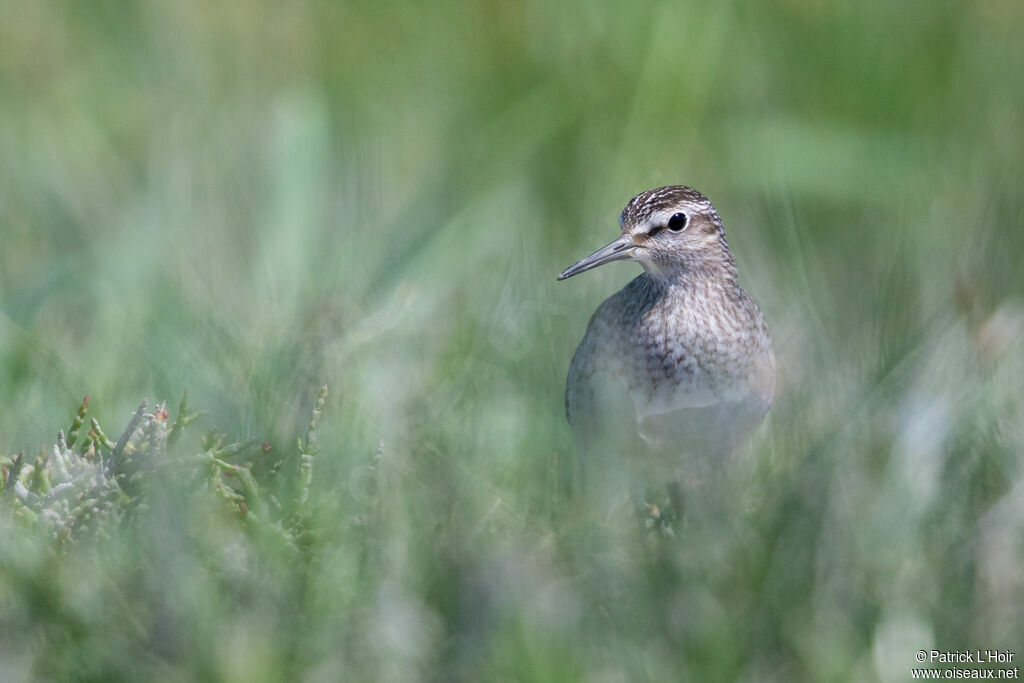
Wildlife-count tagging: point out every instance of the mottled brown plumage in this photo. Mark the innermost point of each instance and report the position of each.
(676, 369)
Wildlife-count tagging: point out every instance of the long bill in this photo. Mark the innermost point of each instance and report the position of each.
(621, 248)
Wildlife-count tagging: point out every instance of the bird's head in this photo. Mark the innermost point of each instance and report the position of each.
(667, 230)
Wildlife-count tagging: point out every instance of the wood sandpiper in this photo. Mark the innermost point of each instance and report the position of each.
(676, 369)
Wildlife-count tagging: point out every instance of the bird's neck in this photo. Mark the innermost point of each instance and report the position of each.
(696, 271)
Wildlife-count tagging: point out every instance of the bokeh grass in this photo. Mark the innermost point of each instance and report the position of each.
(249, 200)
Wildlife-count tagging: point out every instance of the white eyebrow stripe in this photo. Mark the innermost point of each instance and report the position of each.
(660, 219)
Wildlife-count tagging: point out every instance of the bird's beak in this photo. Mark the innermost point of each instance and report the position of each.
(621, 248)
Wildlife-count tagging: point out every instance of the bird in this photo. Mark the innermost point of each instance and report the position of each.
(676, 369)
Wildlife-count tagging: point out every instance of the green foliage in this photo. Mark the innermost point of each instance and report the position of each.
(70, 505)
(68, 494)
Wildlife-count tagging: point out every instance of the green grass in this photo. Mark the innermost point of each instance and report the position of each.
(248, 202)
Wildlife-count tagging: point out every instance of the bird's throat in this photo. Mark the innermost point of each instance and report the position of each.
(698, 271)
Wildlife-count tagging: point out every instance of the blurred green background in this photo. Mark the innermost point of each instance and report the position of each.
(247, 200)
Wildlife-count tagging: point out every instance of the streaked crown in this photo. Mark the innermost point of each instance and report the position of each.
(651, 203)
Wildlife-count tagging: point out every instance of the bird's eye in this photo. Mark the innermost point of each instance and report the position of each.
(677, 222)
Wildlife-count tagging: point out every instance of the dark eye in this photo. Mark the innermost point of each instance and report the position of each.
(677, 222)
